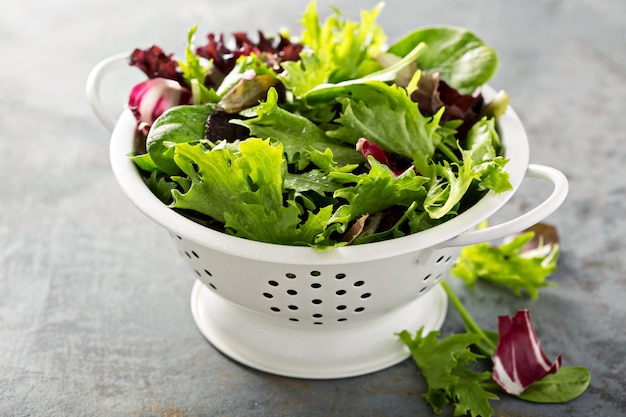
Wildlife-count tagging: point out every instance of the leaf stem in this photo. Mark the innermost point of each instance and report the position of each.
(470, 324)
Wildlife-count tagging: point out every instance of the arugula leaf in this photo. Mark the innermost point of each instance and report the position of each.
(297, 134)
(507, 266)
(444, 363)
(337, 50)
(463, 60)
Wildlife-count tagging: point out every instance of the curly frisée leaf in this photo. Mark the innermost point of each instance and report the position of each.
(507, 265)
(242, 187)
(336, 50)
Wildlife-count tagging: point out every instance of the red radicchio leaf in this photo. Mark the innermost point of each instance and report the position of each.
(519, 360)
(149, 99)
(156, 64)
(368, 148)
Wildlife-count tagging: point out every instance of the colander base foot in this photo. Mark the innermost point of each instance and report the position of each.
(358, 348)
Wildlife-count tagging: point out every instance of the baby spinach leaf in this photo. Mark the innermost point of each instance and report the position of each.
(565, 385)
(464, 61)
(179, 124)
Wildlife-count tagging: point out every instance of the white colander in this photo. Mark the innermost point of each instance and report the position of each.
(298, 312)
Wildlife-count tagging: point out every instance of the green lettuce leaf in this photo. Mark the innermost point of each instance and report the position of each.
(242, 186)
(483, 143)
(195, 73)
(297, 134)
(383, 114)
(507, 266)
(337, 50)
(374, 191)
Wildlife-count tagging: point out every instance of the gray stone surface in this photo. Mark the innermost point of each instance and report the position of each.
(94, 300)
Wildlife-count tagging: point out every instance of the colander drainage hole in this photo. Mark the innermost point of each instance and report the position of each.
(273, 283)
(341, 307)
(366, 295)
(315, 273)
(212, 286)
(358, 283)
(292, 292)
(292, 307)
(316, 285)
(275, 309)
(267, 295)
(317, 316)
(290, 275)
(293, 319)
(340, 276)
(316, 301)
(427, 277)
(359, 309)
(340, 292)
(206, 271)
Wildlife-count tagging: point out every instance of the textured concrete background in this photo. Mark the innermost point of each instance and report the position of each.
(94, 300)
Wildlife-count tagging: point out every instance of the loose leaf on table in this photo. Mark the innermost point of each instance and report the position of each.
(445, 363)
(566, 385)
(507, 265)
(519, 360)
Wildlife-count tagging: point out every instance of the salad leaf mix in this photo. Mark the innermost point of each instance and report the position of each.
(467, 371)
(323, 139)
(332, 138)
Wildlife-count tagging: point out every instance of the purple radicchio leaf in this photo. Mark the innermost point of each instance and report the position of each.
(519, 360)
(149, 99)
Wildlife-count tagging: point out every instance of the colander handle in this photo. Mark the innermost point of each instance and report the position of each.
(93, 86)
(532, 217)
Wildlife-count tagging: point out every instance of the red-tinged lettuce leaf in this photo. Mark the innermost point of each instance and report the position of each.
(519, 360)
(369, 148)
(156, 64)
(432, 94)
(274, 50)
